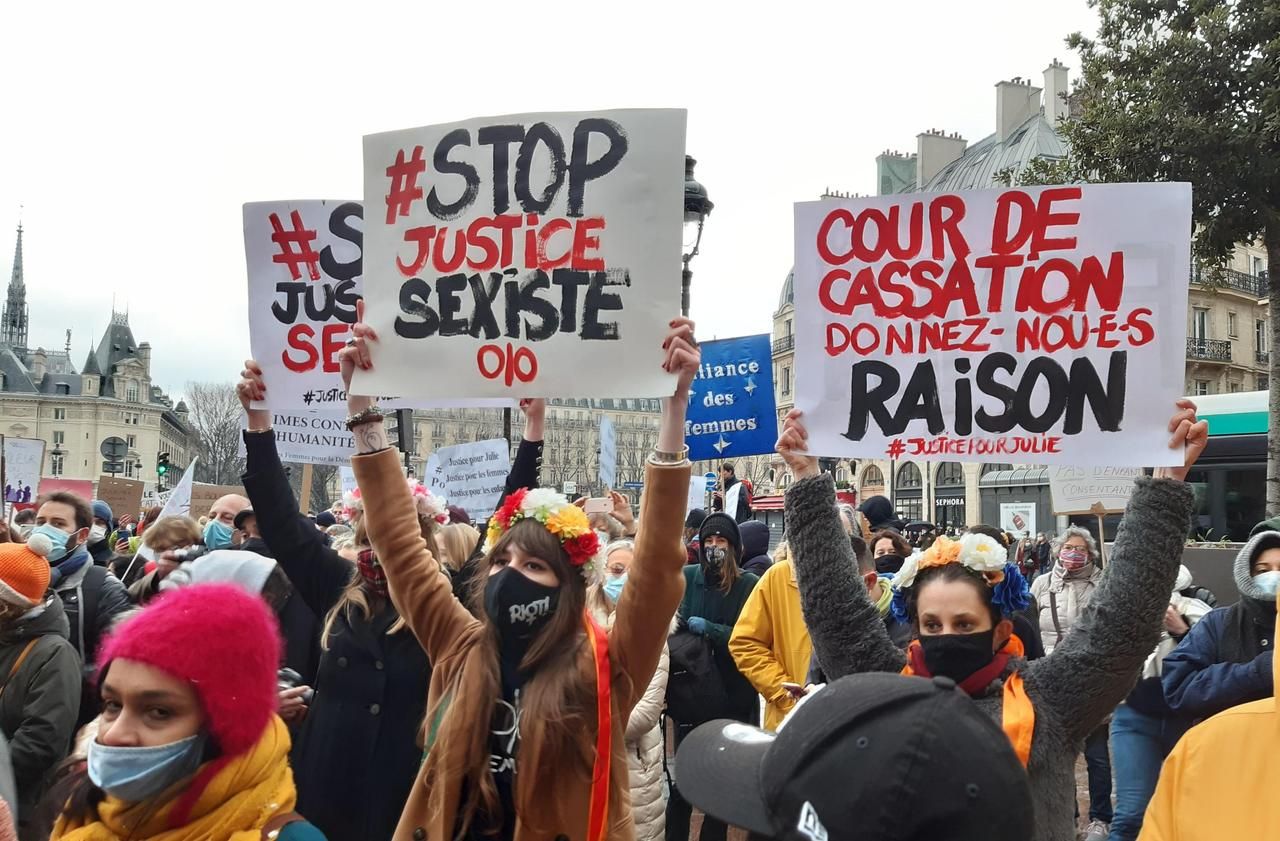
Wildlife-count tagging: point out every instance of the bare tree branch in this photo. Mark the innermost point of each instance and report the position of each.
(215, 420)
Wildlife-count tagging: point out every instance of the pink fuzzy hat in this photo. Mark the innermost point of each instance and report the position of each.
(221, 639)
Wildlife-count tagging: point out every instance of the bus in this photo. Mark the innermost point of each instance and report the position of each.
(1230, 477)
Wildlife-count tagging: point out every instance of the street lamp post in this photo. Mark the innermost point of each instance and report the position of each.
(697, 206)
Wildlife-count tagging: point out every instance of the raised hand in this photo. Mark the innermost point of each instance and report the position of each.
(1190, 435)
(356, 355)
(252, 388)
(682, 358)
(535, 413)
(793, 446)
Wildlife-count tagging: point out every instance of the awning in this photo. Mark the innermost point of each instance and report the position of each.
(1017, 477)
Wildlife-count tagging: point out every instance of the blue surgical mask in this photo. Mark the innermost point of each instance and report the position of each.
(59, 539)
(1267, 582)
(137, 774)
(217, 535)
(613, 587)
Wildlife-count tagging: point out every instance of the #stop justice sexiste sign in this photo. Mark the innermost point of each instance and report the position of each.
(513, 256)
(1041, 325)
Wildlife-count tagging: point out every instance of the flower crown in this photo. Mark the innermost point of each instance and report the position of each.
(978, 552)
(558, 516)
(428, 504)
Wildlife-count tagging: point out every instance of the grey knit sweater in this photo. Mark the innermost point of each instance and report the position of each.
(1073, 689)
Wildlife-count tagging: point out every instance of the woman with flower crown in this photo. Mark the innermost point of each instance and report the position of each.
(959, 597)
(357, 753)
(529, 697)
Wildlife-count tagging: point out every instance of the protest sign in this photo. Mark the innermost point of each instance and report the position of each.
(82, 488)
(1097, 490)
(471, 476)
(303, 265)
(204, 496)
(504, 254)
(124, 496)
(731, 404)
(697, 493)
(1018, 518)
(608, 454)
(1041, 324)
(732, 499)
(319, 436)
(23, 458)
(347, 477)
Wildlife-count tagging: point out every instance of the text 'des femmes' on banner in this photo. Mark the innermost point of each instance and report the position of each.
(505, 254)
(1040, 325)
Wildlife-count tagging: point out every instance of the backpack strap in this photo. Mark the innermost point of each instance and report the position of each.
(271, 830)
(17, 664)
(1053, 612)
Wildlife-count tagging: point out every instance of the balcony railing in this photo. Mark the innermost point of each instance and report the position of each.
(1252, 285)
(1262, 357)
(1213, 350)
(784, 344)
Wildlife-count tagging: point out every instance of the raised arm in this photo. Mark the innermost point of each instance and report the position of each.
(848, 634)
(527, 468)
(318, 573)
(655, 581)
(421, 594)
(1092, 669)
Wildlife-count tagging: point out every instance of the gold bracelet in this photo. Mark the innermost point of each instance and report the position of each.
(664, 457)
(258, 431)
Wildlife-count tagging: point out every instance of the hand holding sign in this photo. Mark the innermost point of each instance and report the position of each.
(356, 355)
(793, 446)
(682, 358)
(1188, 433)
(253, 389)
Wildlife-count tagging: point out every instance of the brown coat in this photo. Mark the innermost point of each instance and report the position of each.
(449, 633)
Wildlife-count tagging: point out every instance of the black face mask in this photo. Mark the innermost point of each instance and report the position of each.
(518, 605)
(889, 564)
(957, 655)
(715, 556)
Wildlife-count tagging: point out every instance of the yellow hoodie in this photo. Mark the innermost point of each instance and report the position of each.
(1220, 781)
(770, 642)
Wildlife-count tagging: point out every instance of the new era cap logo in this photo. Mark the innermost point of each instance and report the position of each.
(809, 826)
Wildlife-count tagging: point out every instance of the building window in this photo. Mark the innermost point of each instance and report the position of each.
(786, 380)
(132, 441)
(62, 389)
(1231, 325)
(128, 469)
(1259, 266)
(56, 464)
(788, 327)
(1260, 334)
(1201, 388)
(59, 438)
(909, 476)
(59, 414)
(1199, 323)
(1233, 388)
(131, 393)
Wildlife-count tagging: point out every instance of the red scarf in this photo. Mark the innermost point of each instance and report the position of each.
(974, 684)
(372, 572)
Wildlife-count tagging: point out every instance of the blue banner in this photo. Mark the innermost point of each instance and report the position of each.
(731, 407)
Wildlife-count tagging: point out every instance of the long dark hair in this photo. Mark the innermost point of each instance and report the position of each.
(556, 704)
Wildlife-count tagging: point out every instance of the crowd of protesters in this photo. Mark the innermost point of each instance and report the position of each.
(398, 668)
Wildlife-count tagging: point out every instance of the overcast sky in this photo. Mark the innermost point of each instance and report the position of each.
(132, 133)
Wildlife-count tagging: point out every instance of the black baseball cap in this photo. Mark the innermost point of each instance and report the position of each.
(870, 757)
(241, 516)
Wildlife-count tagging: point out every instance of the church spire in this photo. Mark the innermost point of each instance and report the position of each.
(13, 322)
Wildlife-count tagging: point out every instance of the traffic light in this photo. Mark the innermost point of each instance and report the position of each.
(162, 464)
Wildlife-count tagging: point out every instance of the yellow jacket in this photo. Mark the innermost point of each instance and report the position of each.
(1220, 781)
(770, 642)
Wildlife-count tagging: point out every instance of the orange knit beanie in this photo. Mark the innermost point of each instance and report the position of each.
(24, 571)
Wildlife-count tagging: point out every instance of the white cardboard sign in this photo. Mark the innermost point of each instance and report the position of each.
(697, 493)
(503, 254)
(1081, 490)
(1034, 325)
(471, 476)
(23, 459)
(1018, 518)
(608, 454)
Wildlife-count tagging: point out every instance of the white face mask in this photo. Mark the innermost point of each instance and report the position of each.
(1268, 582)
(97, 534)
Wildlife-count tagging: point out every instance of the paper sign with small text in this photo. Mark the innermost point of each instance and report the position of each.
(731, 404)
(1040, 324)
(1091, 490)
(505, 254)
(471, 476)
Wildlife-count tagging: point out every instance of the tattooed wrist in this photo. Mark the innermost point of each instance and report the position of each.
(370, 437)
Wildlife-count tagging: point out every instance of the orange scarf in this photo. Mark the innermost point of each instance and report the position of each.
(1019, 714)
